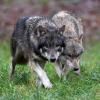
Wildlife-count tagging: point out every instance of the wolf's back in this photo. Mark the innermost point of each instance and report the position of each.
(73, 26)
(20, 34)
(22, 25)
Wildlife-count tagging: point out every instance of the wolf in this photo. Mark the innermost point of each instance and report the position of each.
(74, 35)
(34, 41)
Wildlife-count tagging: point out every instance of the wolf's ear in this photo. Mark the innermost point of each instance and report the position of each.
(62, 29)
(39, 31)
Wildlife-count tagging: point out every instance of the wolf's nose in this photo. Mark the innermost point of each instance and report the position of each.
(52, 60)
(75, 69)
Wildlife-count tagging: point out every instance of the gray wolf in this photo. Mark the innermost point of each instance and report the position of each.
(34, 41)
(74, 48)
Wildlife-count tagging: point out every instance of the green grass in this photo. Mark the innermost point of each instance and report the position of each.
(84, 87)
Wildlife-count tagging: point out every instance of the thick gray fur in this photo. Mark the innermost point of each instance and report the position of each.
(74, 34)
(34, 41)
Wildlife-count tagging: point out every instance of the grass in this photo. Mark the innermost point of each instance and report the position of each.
(84, 87)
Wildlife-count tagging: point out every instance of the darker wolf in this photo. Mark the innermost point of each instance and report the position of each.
(74, 34)
(34, 41)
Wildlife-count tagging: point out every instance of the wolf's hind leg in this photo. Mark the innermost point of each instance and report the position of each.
(12, 68)
(13, 63)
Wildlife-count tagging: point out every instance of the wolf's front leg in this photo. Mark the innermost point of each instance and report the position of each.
(58, 69)
(67, 66)
(77, 66)
(41, 74)
(72, 65)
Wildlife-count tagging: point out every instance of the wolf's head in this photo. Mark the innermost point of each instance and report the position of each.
(51, 45)
(50, 40)
(73, 32)
(74, 47)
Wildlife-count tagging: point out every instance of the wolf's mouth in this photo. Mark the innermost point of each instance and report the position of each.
(53, 60)
(48, 55)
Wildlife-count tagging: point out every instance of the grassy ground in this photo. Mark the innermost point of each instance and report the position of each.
(84, 87)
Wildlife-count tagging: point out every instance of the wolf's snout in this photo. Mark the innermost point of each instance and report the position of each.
(52, 58)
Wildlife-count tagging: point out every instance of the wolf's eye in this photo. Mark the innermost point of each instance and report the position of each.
(43, 32)
(58, 48)
(45, 49)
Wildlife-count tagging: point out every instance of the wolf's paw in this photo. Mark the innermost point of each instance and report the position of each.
(48, 85)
